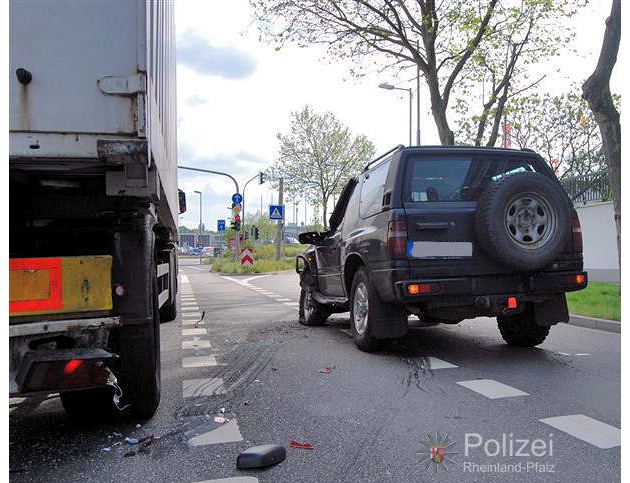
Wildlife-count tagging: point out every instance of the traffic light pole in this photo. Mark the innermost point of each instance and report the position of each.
(244, 188)
(237, 248)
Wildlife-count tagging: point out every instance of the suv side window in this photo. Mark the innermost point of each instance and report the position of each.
(372, 189)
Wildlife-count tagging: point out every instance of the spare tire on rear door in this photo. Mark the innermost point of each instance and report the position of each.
(523, 221)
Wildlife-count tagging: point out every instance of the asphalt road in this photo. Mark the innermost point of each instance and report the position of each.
(237, 352)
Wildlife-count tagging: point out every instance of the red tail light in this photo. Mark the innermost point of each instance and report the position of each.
(397, 239)
(576, 234)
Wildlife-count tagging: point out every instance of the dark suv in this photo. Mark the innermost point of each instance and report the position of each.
(447, 234)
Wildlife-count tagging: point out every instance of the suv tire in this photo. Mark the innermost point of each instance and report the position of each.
(363, 305)
(523, 221)
(522, 330)
(311, 312)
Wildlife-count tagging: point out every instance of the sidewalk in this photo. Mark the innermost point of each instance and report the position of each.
(593, 323)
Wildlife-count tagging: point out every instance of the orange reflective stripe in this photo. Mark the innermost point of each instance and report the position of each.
(53, 267)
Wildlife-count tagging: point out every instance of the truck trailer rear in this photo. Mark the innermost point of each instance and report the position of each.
(93, 201)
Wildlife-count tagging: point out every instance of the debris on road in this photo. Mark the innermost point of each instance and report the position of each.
(261, 456)
(221, 420)
(298, 445)
(327, 370)
(131, 440)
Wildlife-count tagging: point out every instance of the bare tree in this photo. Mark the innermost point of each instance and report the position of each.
(596, 91)
(449, 42)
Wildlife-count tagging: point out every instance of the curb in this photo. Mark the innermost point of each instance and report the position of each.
(593, 323)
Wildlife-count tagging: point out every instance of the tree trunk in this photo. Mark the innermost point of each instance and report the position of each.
(596, 91)
(438, 109)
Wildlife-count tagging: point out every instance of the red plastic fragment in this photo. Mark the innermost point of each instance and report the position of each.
(298, 445)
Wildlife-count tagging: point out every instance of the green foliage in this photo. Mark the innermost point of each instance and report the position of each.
(318, 155)
(559, 128)
(264, 260)
(599, 299)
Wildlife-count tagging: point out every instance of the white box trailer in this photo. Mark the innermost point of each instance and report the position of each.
(93, 200)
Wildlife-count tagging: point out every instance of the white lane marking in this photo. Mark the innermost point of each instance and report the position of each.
(247, 280)
(196, 344)
(190, 309)
(188, 298)
(292, 304)
(189, 332)
(191, 315)
(283, 300)
(435, 363)
(203, 387)
(492, 389)
(199, 361)
(587, 429)
(235, 280)
(227, 433)
(184, 279)
(238, 479)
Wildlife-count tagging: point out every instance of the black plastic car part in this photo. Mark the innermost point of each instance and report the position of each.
(261, 456)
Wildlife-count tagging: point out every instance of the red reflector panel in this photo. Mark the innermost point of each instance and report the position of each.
(580, 279)
(52, 298)
(512, 303)
(422, 288)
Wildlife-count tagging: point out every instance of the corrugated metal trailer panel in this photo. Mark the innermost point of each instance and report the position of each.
(100, 70)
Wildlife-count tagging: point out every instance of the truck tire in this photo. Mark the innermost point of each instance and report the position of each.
(145, 357)
(311, 312)
(522, 330)
(523, 220)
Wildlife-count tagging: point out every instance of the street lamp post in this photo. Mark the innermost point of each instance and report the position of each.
(390, 87)
(200, 225)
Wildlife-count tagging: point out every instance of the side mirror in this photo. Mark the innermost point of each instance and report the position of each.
(182, 201)
(310, 238)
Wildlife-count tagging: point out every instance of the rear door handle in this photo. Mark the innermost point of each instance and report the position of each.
(434, 225)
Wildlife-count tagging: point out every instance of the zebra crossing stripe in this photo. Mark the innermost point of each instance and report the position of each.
(587, 429)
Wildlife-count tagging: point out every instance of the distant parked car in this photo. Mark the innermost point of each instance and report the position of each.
(196, 251)
(289, 240)
(208, 251)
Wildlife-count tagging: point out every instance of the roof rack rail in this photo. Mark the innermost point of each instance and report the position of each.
(396, 148)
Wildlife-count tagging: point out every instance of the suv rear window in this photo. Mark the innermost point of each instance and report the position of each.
(457, 178)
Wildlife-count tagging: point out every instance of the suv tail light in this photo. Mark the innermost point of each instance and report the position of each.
(397, 239)
(576, 235)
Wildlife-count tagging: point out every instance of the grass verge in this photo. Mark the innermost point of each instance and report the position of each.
(264, 260)
(599, 299)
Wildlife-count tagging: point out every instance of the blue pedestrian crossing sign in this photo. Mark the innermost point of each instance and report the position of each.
(276, 212)
(220, 225)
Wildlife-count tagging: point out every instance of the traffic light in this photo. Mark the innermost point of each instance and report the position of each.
(233, 225)
(261, 177)
(237, 225)
(256, 233)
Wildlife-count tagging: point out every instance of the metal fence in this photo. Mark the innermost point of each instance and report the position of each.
(588, 188)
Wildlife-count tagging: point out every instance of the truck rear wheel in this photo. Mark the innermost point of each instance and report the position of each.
(141, 349)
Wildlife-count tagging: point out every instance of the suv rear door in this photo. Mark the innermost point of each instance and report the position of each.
(440, 193)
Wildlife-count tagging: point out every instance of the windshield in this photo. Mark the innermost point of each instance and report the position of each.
(457, 178)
